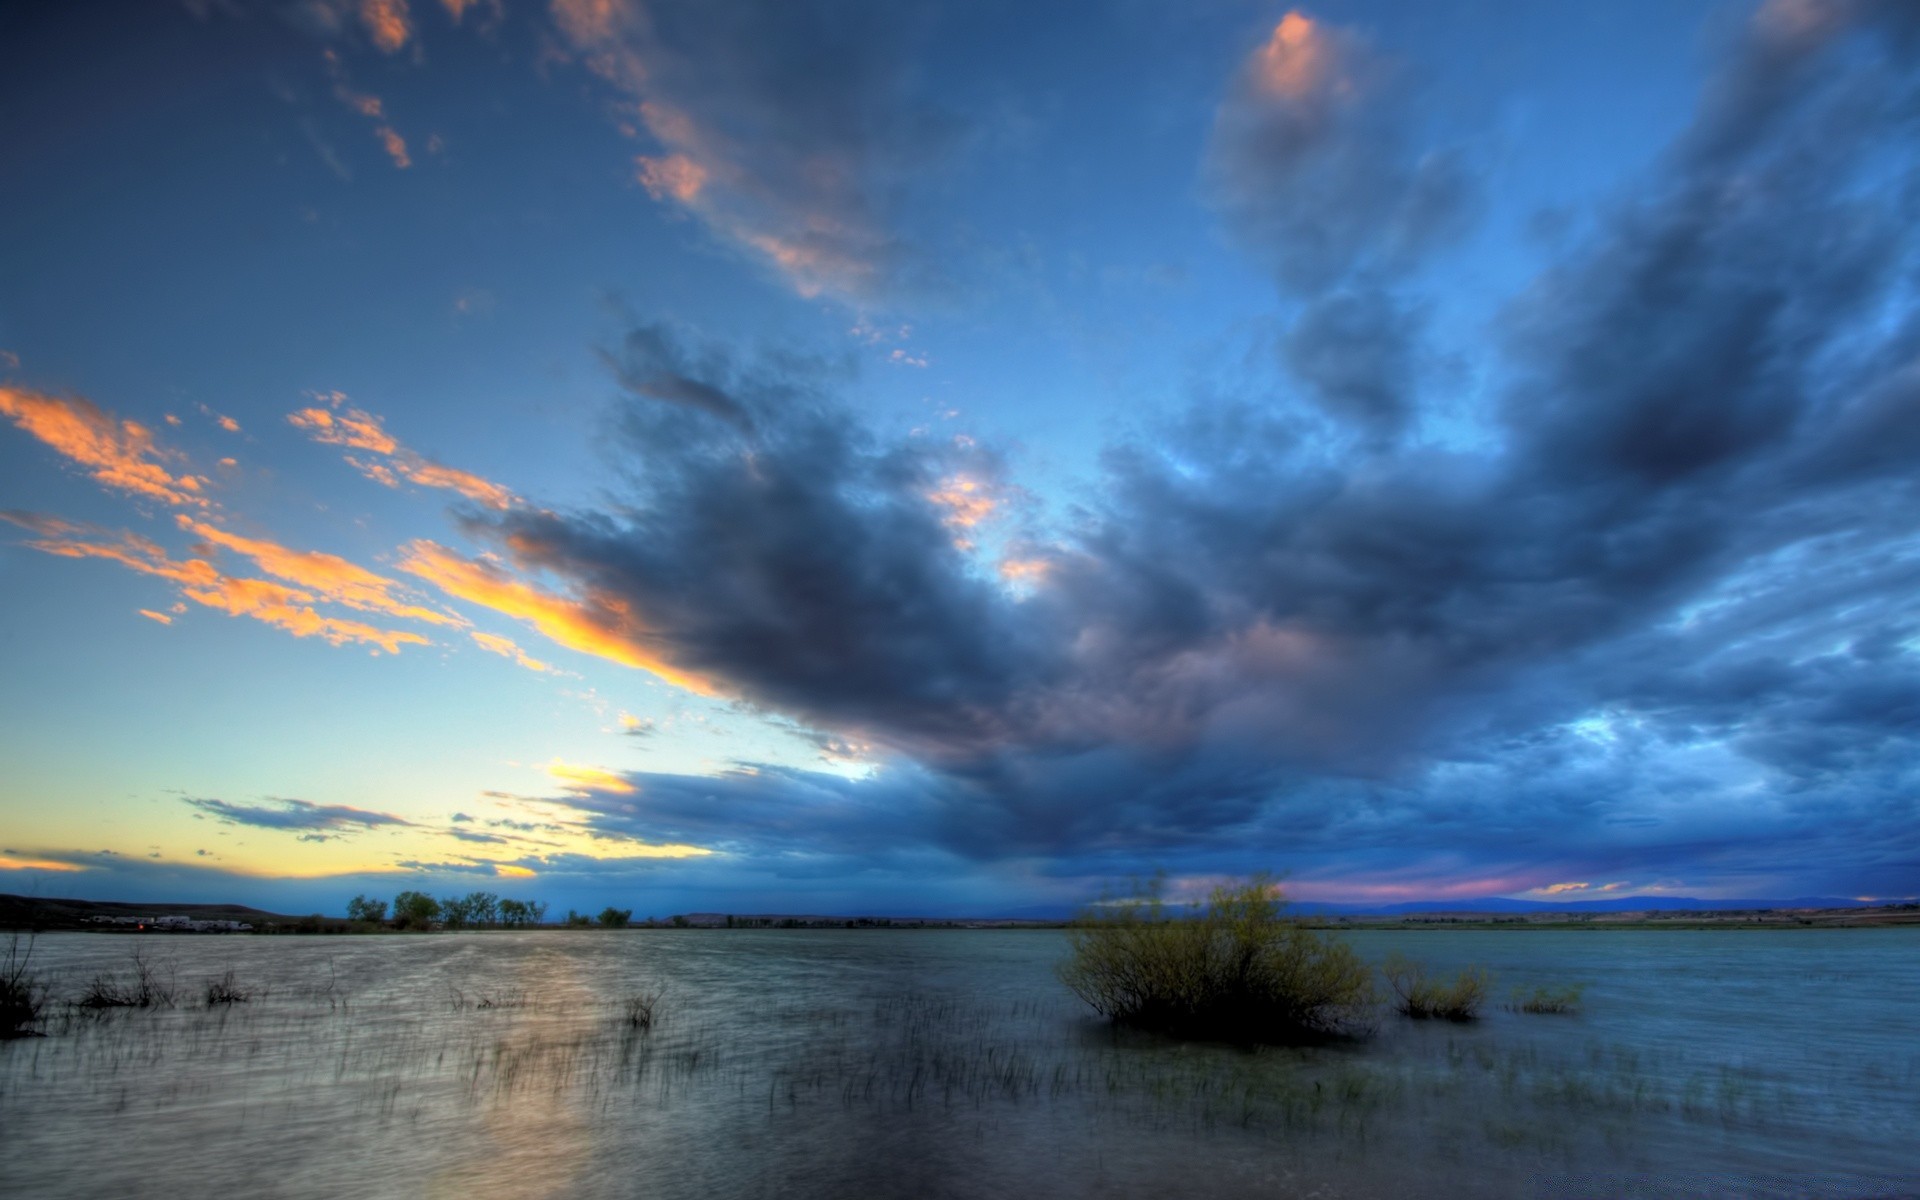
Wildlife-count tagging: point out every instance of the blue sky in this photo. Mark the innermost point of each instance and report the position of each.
(947, 458)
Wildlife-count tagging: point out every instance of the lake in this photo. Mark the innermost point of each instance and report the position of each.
(951, 1063)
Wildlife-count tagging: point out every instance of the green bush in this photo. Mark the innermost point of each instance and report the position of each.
(614, 918)
(1424, 998)
(1233, 968)
(1547, 1000)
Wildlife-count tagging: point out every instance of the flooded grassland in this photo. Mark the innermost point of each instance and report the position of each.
(949, 1063)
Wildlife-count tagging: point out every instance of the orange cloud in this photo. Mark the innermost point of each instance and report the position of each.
(596, 624)
(967, 501)
(283, 607)
(163, 618)
(119, 454)
(395, 145)
(811, 225)
(329, 577)
(353, 428)
(10, 862)
(357, 429)
(386, 22)
(1025, 570)
(574, 778)
(507, 648)
(675, 175)
(1296, 59)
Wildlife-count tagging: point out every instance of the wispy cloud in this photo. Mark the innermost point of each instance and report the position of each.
(327, 577)
(493, 643)
(287, 608)
(387, 22)
(118, 453)
(295, 815)
(784, 131)
(582, 779)
(335, 423)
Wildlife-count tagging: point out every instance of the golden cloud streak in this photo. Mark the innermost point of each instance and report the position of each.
(331, 578)
(286, 608)
(357, 429)
(576, 778)
(121, 455)
(507, 648)
(597, 624)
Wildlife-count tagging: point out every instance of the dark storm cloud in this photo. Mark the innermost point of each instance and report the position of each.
(1355, 350)
(1663, 623)
(288, 814)
(797, 555)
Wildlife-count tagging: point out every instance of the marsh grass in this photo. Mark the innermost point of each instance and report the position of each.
(224, 989)
(23, 997)
(151, 985)
(641, 1008)
(1425, 998)
(1232, 969)
(1564, 1000)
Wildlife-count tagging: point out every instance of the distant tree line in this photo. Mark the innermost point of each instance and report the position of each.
(475, 910)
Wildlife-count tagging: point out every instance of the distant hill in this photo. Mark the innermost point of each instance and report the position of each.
(1612, 904)
(41, 912)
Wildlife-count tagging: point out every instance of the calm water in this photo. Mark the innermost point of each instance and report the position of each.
(951, 1063)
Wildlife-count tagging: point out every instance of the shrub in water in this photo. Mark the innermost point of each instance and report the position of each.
(640, 1008)
(1421, 997)
(21, 995)
(1547, 1000)
(1231, 968)
(148, 988)
(223, 989)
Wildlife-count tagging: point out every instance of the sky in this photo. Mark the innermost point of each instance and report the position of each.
(955, 458)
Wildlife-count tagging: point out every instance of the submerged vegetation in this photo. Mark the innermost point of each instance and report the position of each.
(223, 989)
(1547, 1000)
(22, 996)
(1423, 997)
(151, 985)
(1233, 968)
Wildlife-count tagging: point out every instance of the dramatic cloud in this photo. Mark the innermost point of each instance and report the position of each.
(295, 815)
(120, 454)
(787, 130)
(1669, 600)
(333, 423)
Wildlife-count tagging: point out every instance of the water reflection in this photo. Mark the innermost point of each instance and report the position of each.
(878, 1063)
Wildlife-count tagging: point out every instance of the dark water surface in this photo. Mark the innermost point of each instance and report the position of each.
(872, 1064)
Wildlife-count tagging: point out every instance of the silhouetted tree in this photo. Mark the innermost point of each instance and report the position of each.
(615, 918)
(363, 908)
(415, 910)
